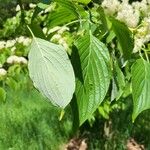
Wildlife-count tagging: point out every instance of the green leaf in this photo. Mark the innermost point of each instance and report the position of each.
(119, 75)
(102, 28)
(83, 1)
(118, 83)
(51, 71)
(92, 86)
(65, 12)
(140, 87)
(68, 5)
(39, 8)
(110, 37)
(124, 37)
(2, 95)
(37, 31)
(60, 17)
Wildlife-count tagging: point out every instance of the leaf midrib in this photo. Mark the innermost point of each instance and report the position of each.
(46, 63)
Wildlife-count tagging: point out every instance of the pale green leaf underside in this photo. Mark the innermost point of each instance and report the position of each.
(51, 71)
(94, 59)
(140, 87)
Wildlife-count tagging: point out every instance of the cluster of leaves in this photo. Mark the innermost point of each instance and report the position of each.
(103, 66)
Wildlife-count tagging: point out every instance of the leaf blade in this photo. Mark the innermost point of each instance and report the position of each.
(51, 71)
(124, 37)
(140, 87)
(94, 59)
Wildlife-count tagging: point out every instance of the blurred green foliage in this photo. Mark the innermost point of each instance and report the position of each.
(28, 123)
(113, 133)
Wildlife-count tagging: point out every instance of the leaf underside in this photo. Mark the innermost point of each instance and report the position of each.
(51, 71)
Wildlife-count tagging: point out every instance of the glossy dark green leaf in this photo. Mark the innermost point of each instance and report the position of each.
(83, 1)
(93, 83)
(140, 87)
(60, 17)
(102, 27)
(40, 6)
(66, 12)
(124, 37)
(118, 82)
(37, 31)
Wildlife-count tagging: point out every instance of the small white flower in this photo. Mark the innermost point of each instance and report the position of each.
(63, 29)
(136, 5)
(21, 39)
(13, 49)
(141, 6)
(111, 6)
(63, 43)
(44, 30)
(128, 15)
(10, 43)
(16, 59)
(147, 38)
(138, 44)
(2, 44)
(31, 5)
(56, 37)
(125, 1)
(41, 12)
(142, 35)
(12, 59)
(18, 8)
(3, 72)
(26, 41)
(22, 60)
(54, 29)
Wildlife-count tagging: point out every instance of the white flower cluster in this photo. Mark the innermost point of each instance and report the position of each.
(11, 43)
(143, 7)
(58, 37)
(31, 5)
(3, 72)
(18, 8)
(142, 35)
(125, 12)
(16, 59)
(7, 44)
(131, 15)
(24, 40)
(128, 15)
(2, 44)
(111, 6)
